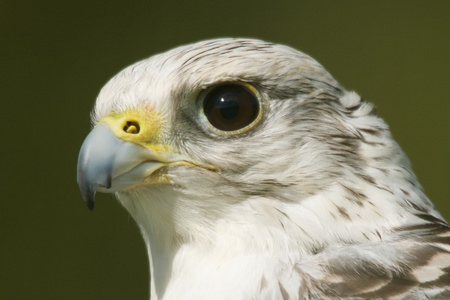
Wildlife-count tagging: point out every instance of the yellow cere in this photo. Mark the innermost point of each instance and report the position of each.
(141, 127)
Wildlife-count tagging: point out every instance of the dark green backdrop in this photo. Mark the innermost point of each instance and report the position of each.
(56, 56)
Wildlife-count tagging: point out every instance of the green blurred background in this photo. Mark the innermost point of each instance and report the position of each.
(56, 55)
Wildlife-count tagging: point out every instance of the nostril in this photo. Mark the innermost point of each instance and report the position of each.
(132, 127)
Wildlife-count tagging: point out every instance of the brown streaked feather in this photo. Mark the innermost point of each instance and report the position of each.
(418, 269)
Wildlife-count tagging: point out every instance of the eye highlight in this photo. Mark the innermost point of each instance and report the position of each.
(231, 107)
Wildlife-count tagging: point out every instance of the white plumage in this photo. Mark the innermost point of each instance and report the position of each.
(253, 174)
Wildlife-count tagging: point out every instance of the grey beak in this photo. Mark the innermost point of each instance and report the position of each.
(108, 164)
(95, 162)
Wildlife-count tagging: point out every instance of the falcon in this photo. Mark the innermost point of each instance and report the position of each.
(253, 174)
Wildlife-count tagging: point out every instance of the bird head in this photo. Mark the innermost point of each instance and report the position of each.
(243, 132)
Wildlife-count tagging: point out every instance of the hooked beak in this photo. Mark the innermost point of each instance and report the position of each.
(109, 164)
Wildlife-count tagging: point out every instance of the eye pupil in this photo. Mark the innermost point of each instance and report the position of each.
(230, 107)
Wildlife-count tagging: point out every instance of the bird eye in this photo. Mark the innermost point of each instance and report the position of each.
(231, 107)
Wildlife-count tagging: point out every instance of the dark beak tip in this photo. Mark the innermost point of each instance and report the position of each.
(89, 199)
(90, 205)
(88, 192)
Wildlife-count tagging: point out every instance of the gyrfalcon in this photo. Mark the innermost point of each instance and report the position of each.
(253, 174)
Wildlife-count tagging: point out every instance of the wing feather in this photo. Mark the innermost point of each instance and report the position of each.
(413, 264)
(416, 268)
